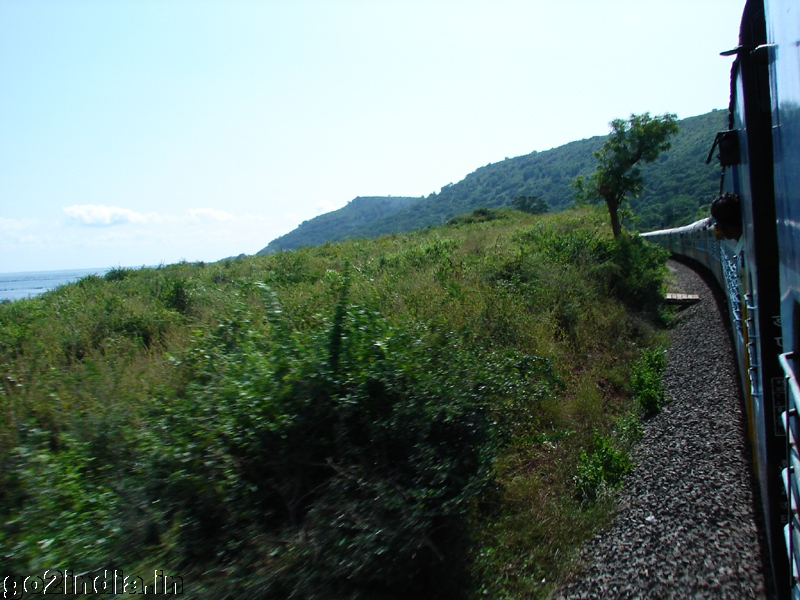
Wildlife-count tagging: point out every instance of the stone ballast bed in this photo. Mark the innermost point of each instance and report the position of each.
(687, 524)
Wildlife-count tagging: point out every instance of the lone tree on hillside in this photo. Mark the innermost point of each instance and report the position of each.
(617, 175)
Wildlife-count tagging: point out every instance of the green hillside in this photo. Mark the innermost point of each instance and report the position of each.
(340, 224)
(439, 414)
(678, 187)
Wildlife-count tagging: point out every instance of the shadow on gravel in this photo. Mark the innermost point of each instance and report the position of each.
(721, 302)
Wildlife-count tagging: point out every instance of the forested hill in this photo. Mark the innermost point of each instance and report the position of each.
(340, 224)
(678, 188)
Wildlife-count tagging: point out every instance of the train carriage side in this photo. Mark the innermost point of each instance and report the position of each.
(782, 55)
(700, 242)
(759, 293)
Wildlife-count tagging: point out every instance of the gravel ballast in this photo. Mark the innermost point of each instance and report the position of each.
(687, 524)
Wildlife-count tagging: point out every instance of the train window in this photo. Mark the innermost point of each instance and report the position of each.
(728, 144)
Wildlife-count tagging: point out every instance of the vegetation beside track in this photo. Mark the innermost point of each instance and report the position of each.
(409, 415)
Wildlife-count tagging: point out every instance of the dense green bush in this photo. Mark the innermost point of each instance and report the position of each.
(638, 277)
(602, 469)
(479, 215)
(627, 267)
(396, 424)
(646, 375)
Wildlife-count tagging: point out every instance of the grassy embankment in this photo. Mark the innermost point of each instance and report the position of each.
(431, 415)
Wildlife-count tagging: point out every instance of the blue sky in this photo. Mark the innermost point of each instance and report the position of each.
(136, 133)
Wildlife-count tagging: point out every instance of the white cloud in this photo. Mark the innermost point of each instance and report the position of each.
(9, 225)
(210, 214)
(139, 238)
(99, 214)
(324, 206)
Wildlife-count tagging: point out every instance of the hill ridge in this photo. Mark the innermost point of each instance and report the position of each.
(678, 188)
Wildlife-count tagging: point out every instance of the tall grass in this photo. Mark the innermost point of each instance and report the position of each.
(374, 418)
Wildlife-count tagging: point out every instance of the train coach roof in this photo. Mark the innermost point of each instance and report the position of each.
(700, 225)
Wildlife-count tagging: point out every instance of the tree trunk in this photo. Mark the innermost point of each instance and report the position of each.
(615, 226)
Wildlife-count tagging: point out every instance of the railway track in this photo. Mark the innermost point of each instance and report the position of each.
(687, 524)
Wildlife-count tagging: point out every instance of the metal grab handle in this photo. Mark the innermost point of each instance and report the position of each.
(792, 529)
(788, 371)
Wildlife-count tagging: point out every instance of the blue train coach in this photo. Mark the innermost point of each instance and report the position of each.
(759, 155)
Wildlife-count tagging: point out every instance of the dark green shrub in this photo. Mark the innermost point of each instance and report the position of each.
(529, 204)
(16, 323)
(66, 511)
(627, 267)
(638, 279)
(115, 317)
(601, 469)
(177, 295)
(117, 274)
(479, 215)
(646, 374)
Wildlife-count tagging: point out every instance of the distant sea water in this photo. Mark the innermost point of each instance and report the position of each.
(14, 286)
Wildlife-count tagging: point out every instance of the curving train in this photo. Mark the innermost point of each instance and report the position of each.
(759, 155)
